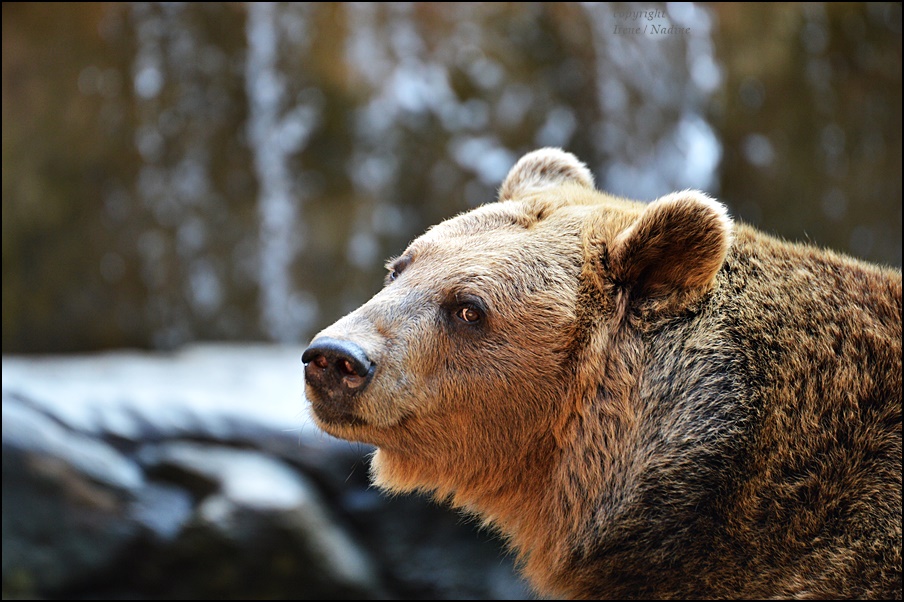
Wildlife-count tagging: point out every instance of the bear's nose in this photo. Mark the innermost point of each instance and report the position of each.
(335, 367)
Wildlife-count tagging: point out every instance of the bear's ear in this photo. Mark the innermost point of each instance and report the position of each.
(544, 168)
(677, 245)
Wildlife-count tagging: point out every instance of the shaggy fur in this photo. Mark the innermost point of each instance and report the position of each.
(646, 400)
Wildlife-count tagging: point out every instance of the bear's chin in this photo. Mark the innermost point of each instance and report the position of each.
(350, 430)
(328, 417)
(349, 427)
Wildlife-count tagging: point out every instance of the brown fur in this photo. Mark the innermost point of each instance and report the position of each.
(654, 403)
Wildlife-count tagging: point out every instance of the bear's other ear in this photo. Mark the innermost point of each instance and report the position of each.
(544, 168)
(677, 245)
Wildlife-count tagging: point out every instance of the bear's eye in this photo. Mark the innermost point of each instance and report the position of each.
(396, 267)
(466, 310)
(468, 314)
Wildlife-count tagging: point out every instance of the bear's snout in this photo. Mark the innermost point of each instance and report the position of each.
(336, 369)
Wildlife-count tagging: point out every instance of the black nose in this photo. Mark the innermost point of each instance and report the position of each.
(336, 368)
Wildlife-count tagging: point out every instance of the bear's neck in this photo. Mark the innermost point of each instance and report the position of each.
(538, 500)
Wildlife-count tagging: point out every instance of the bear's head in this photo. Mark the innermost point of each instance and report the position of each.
(495, 327)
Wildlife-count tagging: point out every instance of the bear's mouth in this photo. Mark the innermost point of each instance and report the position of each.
(329, 412)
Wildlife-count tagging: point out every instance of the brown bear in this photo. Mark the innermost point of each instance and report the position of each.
(648, 401)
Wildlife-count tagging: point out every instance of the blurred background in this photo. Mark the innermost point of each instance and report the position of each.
(221, 171)
(176, 174)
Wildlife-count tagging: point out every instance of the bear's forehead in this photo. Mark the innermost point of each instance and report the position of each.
(542, 229)
(510, 217)
(484, 219)
(563, 209)
(492, 242)
(457, 249)
(497, 228)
